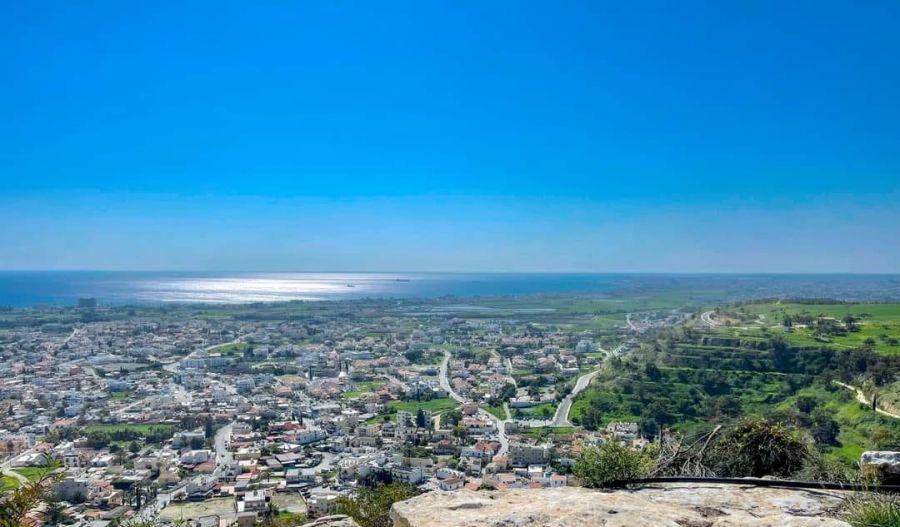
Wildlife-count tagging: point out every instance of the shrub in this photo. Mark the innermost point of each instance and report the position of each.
(371, 507)
(600, 465)
(757, 448)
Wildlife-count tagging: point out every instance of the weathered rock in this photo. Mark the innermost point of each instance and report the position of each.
(880, 464)
(672, 505)
(337, 520)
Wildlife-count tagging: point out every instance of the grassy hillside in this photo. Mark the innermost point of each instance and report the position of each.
(875, 325)
(688, 380)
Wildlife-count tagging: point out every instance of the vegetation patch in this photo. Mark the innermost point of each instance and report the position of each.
(496, 411)
(434, 405)
(873, 510)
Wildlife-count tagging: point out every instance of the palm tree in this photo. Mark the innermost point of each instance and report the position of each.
(270, 514)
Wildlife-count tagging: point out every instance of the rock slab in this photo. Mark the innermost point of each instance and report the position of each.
(880, 464)
(659, 506)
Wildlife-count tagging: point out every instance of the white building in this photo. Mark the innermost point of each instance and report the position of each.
(450, 484)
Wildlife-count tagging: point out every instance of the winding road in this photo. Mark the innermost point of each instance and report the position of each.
(500, 424)
(561, 418)
(706, 318)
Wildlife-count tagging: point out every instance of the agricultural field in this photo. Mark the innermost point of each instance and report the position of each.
(841, 326)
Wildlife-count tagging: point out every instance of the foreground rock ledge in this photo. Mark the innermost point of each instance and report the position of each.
(658, 506)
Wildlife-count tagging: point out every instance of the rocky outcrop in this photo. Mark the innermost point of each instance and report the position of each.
(338, 520)
(659, 506)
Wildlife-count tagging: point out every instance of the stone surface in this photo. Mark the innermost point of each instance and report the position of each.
(337, 520)
(880, 464)
(674, 505)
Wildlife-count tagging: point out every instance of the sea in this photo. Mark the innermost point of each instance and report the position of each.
(64, 288)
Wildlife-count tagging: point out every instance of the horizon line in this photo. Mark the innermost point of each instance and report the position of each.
(722, 273)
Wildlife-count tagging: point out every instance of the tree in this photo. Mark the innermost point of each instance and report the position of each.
(825, 429)
(420, 418)
(371, 507)
(270, 513)
(209, 431)
(413, 355)
(459, 431)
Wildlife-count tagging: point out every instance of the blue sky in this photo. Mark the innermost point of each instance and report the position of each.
(451, 136)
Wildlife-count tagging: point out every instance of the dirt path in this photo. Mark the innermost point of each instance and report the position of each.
(861, 397)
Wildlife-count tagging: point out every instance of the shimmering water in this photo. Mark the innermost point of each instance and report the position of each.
(64, 288)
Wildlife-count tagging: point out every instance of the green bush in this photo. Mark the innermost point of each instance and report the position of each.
(756, 448)
(600, 465)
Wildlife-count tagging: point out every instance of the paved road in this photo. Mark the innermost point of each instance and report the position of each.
(706, 318)
(561, 418)
(224, 459)
(326, 462)
(509, 369)
(501, 431)
(444, 380)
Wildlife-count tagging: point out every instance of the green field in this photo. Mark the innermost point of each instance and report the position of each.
(363, 387)
(878, 324)
(234, 348)
(434, 405)
(545, 410)
(543, 432)
(140, 429)
(496, 411)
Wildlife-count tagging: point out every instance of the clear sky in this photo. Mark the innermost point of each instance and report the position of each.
(758, 136)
